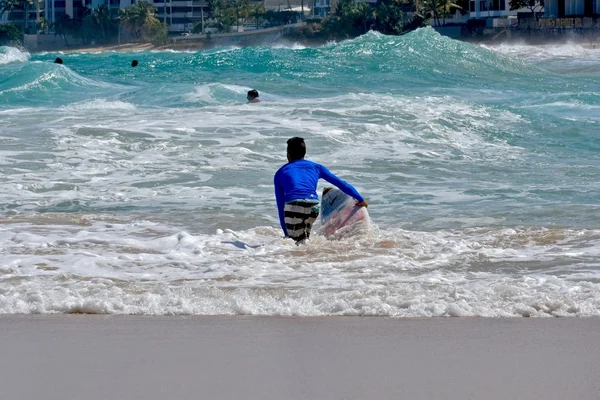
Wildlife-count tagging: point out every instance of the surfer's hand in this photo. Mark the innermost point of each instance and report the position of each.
(362, 203)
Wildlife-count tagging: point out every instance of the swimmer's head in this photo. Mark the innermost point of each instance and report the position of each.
(252, 94)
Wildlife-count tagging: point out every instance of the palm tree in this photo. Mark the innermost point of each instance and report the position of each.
(102, 17)
(439, 8)
(43, 24)
(64, 27)
(134, 18)
(15, 5)
(258, 12)
(242, 10)
(445, 6)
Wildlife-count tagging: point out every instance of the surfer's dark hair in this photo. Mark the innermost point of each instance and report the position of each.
(296, 148)
(253, 93)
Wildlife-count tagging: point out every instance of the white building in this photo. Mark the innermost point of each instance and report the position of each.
(180, 15)
(563, 8)
(492, 9)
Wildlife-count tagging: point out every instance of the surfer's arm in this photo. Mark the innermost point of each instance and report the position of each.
(279, 199)
(341, 184)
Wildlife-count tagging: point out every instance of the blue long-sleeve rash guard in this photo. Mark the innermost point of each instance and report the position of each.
(298, 180)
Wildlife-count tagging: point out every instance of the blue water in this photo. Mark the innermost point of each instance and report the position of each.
(149, 189)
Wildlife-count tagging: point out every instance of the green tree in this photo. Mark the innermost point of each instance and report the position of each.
(353, 18)
(242, 11)
(155, 32)
(226, 19)
(276, 18)
(390, 19)
(101, 16)
(141, 22)
(43, 25)
(529, 4)
(258, 13)
(134, 18)
(446, 8)
(10, 35)
(440, 9)
(64, 27)
(16, 5)
(214, 6)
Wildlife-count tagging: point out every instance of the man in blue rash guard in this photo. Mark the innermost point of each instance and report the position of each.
(296, 191)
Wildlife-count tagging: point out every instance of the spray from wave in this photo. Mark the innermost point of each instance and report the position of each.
(12, 54)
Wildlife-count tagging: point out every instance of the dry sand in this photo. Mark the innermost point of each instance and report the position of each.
(127, 357)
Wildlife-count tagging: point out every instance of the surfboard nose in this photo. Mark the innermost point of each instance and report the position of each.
(327, 189)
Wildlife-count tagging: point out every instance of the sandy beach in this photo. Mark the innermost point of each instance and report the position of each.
(116, 357)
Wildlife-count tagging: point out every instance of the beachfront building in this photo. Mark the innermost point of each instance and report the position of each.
(566, 8)
(52, 10)
(181, 16)
(55, 9)
(324, 7)
(492, 9)
(299, 6)
(35, 10)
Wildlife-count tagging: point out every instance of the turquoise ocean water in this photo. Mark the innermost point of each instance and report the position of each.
(148, 190)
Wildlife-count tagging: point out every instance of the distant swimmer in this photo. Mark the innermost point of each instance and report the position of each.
(134, 63)
(296, 191)
(253, 96)
(58, 60)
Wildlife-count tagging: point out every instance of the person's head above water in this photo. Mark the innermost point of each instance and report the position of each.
(296, 149)
(253, 96)
(134, 63)
(58, 60)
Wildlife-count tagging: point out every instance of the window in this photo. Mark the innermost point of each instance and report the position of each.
(472, 6)
(483, 6)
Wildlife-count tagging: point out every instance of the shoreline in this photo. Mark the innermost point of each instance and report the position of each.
(233, 357)
(199, 46)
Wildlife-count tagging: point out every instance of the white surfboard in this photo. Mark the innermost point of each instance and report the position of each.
(340, 213)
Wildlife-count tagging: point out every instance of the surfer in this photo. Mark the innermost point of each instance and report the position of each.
(253, 96)
(296, 191)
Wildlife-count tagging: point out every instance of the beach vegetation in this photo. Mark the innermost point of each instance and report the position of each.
(10, 35)
(65, 27)
(440, 10)
(141, 22)
(43, 25)
(16, 5)
(533, 5)
(257, 13)
(351, 19)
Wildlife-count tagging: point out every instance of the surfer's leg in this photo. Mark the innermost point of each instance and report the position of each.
(299, 217)
(314, 214)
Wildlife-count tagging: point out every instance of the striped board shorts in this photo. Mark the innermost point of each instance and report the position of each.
(300, 215)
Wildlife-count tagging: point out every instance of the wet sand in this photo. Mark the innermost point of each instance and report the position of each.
(128, 357)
